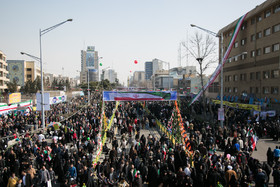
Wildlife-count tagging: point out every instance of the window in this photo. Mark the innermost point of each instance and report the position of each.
(275, 47)
(229, 60)
(253, 21)
(275, 73)
(229, 89)
(243, 77)
(243, 41)
(252, 76)
(234, 89)
(259, 35)
(267, 32)
(276, 28)
(226, 89)
(226, 78)
(1, 73)
(235, 44)
(29, 76)
(258, 75)
(276, 8)
(253, 37)
(265, 90)
(265, 74)
(274, 90)
(28, 69)
(244, 26)
(266, 50)
(253, 53)
(267, 13)
(259, 51)
(251, 90)
(235, 78)
(259, 18)
(229, 78)
(257, 90)
(1, 65)
(243, 57)
(235, 58)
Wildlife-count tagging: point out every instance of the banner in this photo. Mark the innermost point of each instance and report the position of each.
(264, 114)
(14, 98)
(58, 99)
(4, 109)
(218, 69)
(139, 96)
(239, 105)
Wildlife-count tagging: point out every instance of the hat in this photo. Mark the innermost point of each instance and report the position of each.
(229, 167)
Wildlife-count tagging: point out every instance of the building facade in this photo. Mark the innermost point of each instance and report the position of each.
(16, 70)
(3, 72)
(31, 71)
(256, 73)
(89, 65)
(21, 71)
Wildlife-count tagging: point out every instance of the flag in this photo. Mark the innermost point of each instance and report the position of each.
(49, 157)
(249, 132)
(135, 173)
(254, 140)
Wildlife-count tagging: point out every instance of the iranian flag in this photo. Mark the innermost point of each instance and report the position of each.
(249, 132)
(254, 140)
(139, 96)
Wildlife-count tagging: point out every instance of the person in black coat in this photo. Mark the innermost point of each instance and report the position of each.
(214, 177)
(276, 175)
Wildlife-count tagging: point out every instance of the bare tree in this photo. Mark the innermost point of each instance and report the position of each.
(203, 50)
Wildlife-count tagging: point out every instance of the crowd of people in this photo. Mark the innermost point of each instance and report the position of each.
(217, 156)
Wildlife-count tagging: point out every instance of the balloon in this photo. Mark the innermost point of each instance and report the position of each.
(100, 64)
(130, 71)
(135, 62)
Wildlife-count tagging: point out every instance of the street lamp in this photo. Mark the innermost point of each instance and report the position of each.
(221, 61)
(41, 33)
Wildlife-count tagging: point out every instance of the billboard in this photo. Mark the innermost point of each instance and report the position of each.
(14, 98)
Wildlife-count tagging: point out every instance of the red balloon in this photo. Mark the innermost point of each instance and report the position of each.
(130, 71)
(135, 62)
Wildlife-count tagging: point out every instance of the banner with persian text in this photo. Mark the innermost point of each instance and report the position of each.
(139, 96)
(239, 105)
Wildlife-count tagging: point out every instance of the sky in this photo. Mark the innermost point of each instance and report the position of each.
(121, 30)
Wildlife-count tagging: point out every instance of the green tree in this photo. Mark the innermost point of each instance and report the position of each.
(12, 86)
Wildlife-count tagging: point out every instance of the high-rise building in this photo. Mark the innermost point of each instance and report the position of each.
(157, 65)
(256, 73)
(152, 67)
(89, 65)
(3, 72)
(148, 70)
(110, 75)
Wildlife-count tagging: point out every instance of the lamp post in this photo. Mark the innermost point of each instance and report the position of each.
(41, 33)
(221, 61)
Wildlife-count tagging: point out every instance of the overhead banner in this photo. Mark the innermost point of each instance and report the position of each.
(239, 105)
(139, 96)
(14, 98)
